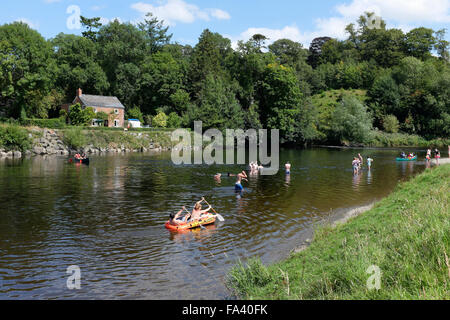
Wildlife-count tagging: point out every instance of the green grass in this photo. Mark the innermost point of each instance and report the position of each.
(77, 137)
(407, 235)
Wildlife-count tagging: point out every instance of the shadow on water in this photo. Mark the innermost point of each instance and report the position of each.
(108, 218)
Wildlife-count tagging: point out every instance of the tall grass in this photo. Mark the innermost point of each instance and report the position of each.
(407, 235)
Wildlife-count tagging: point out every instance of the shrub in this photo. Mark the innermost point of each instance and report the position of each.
(351, 121)
(390, 124)
(13, 137)
(160, 120)
(57, 123)
(75, 138)
(174, 120)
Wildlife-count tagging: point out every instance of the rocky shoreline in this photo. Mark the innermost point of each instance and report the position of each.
(51, 142)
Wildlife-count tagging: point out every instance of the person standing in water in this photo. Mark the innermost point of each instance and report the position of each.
(369, 162)
(437, 155)
(240, 176)
(355, 165)
(288, 168)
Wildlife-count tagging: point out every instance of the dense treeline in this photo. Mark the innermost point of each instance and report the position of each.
(403, 80)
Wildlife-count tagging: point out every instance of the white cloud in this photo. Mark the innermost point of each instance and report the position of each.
(31, 24)
(173, 11)
(401, 14)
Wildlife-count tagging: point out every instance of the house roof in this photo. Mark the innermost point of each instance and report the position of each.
(101, 101)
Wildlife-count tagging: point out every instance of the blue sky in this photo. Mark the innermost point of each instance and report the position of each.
(236, 19)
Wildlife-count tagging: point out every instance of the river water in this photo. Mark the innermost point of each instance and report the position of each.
(108, 219)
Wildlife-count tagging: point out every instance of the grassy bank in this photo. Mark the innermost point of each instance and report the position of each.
(82, 137)
(407, 235)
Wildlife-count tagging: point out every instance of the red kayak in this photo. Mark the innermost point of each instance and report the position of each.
(203, 221)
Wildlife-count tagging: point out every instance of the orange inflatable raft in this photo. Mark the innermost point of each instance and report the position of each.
(205, 220)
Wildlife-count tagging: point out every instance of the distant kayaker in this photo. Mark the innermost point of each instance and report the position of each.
(198, 212)
(288, 168)
(402, 155)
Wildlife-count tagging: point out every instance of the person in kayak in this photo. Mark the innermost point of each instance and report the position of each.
(174, 219)
(402, 155)
(198, 212)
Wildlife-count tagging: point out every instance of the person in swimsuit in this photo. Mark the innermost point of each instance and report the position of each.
(288, 168)
(428, 157)
(369, 162)
(437, 155)
(174, 219)
(355, 165)
(241, 176)
(198, 212)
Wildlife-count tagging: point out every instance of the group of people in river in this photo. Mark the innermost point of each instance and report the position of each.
(358, 162)
(198, 213)
(437, 154)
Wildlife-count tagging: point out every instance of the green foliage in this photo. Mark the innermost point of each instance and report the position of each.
(160, 120)
(246, 87)
(13, 137)
(406, 235)
(75, 138)
(351, 121)
(174, 120)
(391, 124)
(57, 123)
(135, 113)
(81, 117)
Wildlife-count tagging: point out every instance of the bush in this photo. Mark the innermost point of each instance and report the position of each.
(13, 137)
(75, 138)
(160, 120)
(351, 121)
(390, 124)
(57, 123)
(174, 120)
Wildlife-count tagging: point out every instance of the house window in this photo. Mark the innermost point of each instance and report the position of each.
(116, 123)
(116, 111)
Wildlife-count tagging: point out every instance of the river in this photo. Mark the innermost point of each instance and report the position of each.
(108, 219)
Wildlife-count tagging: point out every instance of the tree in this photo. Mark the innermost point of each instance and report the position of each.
(27, 69)
(351, 121)
(216, 106)
(79, 116)
(156, 33)
(135, 113)
(78, 67)
(390, 123)
(315, 50)
(160, 120)
(420, 42)
(441, 45)
(90, 25)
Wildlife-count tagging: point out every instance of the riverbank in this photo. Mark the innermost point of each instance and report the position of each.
(18, 142)
(406, 235)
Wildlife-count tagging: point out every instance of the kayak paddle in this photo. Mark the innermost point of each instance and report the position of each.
(221, 219)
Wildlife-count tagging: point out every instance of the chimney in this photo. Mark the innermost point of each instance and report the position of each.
(79, 92)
